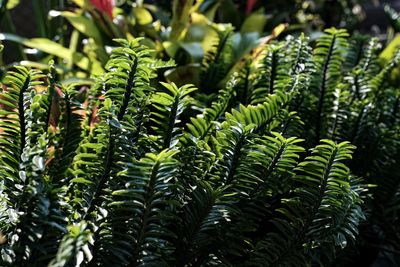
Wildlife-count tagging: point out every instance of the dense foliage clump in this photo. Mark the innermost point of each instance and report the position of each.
(271, 167)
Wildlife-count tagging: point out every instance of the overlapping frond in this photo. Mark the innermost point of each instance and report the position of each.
(114, 178)
(69, 136)
(26, 214)
(147, 197)
(321, 201)
(261, 115)
(328, 58)
(201, 220)
(274, 157)
(377, 82)
(74, 247)
(272, 73)
(217, 61)
(203, 125)
(168, 107)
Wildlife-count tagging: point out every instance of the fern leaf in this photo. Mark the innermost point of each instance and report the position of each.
(203, 125)
(24, 183)
(148, 186)
(168, 107)
(322, 198)
(218, 61)
(273, 74)
(328, 57)
(74, 247)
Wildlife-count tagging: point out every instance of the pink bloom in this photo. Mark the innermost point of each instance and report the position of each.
(249, 6)
(105, 6)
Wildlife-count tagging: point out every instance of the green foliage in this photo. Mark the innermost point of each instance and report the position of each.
(393, 17)
(328, 57)
(318, 213)
(78, 35)
(217, 61)
(169, 107)
(133, 171)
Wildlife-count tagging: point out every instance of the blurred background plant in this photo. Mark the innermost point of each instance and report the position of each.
(78, 34)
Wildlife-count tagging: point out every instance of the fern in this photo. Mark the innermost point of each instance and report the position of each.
(393, 17)
(146, 199)
(25, 188)
(201, 220)
(323, 187)
(134, 171)
(275, 157)
(203, 125)
(329, 58)
(68, 139)
(218, 61)
(274, 73)
(168, 107)
(77, 240)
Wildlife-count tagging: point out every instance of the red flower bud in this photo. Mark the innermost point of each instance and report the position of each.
(249, 6)
(105, 6)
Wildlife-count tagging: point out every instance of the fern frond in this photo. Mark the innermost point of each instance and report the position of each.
(218, 61)
(244, 84)
(128, 76)
(272, 74)
(147, 197)
(326, 177)
(15, 103)
(355, 52)
(339, 112)
(300, 55)
(25, 187)
(101, 150)
(203, 125)
(275, 158)
(377, 82)
(232, 145)
(289, 124)
(168, 107)
(74, 247)
(393, 17)
(369, 59)
(260, 115)
(202, 217)
(328, 57)
(69, 137)
(365, 70)
(318, 203)
(126, 86)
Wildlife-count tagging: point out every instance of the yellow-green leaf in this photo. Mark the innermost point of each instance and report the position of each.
(143, 16)
(55, 49)
(82, 3)
(83, 24)
(12, 3)
(254, 23)
(390, 49)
